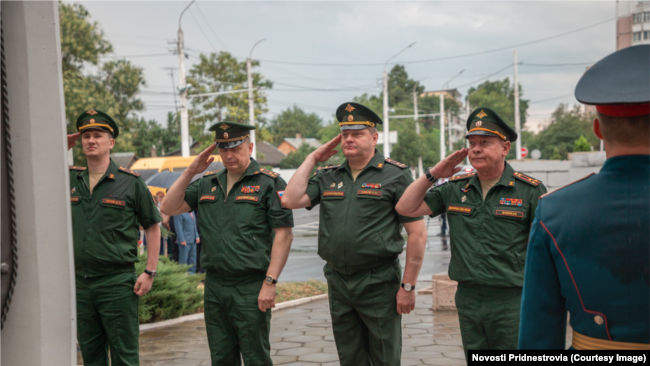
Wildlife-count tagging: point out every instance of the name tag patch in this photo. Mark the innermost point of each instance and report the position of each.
(508, 213)
(207, 197)
(75, 199)
(511, 202)
(368, 192)
(115, 202)
(250, 189)
(461, 209)
(247, 198)
(333, 194)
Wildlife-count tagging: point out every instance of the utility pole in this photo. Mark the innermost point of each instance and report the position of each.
(417, 127)
(386, 119)
(185, 130)
(517, 121)
(443, 151)
(251, 101)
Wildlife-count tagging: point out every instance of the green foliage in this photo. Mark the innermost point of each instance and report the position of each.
(295, 158)
(400, 87)
(81, 40)
(581, 144)
(559, 138)
(294, 120)
(149, 133)
(174, 292)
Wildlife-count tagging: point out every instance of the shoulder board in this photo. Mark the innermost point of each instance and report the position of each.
(581, 179)
(269, 173)
(526, 178)
(328, 167)
(127, 171)
(464, 176)
(77, 167)
(206, 174)
(396, 163)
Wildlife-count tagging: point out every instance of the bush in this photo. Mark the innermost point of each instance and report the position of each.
(174, 292)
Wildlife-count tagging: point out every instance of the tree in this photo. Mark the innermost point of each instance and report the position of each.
(217, 73)
(294, 120)
(148, 134)
(581, 144)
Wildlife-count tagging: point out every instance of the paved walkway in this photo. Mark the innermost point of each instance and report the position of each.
(303, 336)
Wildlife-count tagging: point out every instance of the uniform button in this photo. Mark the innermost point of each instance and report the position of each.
(598, 320)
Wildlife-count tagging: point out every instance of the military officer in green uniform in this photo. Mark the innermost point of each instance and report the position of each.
(360, 238)
(489, 213)
(108, 205)
(246, 241)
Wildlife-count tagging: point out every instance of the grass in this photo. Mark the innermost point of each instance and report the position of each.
(295, 290)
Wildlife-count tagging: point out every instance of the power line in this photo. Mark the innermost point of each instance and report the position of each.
(134, 56)
(201, 29)
(558, 65)
(483, 78)
(212, 30)
(549, 99)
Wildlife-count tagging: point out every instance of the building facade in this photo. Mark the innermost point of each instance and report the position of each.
(633, 23)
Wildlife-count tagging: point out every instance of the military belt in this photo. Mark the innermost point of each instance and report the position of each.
(582, 342)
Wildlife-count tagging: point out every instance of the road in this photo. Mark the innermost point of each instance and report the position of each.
(305, 264)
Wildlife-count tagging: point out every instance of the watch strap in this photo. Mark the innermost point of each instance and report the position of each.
(429, 176)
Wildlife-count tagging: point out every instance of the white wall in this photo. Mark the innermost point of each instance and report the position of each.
(40, 328)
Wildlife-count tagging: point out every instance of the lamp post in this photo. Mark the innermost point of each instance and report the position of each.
(386, 121)
(443, 149)
(251, 104)
(182, 86)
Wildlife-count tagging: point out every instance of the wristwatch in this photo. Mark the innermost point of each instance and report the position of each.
(408, 287)
(269, 280)
(153, 274)
(430, 177)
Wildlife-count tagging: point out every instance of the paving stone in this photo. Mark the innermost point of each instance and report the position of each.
(281, 360)
(421, 355)
(458, 355)
(443, 361)
(320, 357)
(417, 342)
(303, 338)
(299, 351)
(439, 348)
(285, 345)
(410, 361)
(337, 363)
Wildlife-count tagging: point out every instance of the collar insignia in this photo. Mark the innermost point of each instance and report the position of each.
(481, 114)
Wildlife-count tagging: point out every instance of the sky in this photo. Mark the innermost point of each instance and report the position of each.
(350, 41)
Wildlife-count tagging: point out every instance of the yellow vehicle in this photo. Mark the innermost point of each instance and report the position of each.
(148, 167)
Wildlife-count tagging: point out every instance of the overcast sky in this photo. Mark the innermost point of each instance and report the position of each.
(352, 33)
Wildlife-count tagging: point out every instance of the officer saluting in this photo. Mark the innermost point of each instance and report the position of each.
(489, 215)
(246, 241)
(360, 238)
(108, 204)
(590, 242)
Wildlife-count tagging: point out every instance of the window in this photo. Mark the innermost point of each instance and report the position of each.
(646, 34)
(636, 36)
(646, 16)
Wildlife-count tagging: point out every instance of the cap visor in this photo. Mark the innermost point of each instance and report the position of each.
(353, 127)
(482, 133)
(96, 129)
(229, 144)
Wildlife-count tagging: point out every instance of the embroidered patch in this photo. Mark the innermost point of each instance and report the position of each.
(250, 189)
(207, 197)
(111, 201)
(526, 178)
(333, 193)
(75, 199)
(481, 114)
(511, 202)
(280, 194)
(247, 198)
(509, 213)
(371, 185)
(457, 177)
(460, 209)
(369, 192)
(396, 163)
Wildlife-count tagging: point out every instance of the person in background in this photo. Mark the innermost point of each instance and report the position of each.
(187, 237)
(159, 197)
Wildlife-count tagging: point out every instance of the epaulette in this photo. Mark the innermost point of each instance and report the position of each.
(396, 163)
(328, 167)
(459, 177)
(127, 171)
(269, 173)
(72, 167)
(206, 174)
(526, 178)
(581, 179)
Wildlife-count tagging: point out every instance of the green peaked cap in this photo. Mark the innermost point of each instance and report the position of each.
(97, 120)
(355, 116)
(230, 134)
(486, 122)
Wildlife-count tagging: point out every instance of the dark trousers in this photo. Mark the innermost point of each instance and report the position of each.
(107, 319)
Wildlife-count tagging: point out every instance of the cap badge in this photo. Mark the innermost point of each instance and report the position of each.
(349, 108)
(481, 114)
(224, 127)
(92, 120)
(350, 118)
(225, 135)
(463, 199)
(332, 185)
(479, 123)
(340, 185)
(92, 112)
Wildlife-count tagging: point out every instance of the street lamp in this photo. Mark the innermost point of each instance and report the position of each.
(185, 131)
(443, 150)
(386, 122)
(251, 104)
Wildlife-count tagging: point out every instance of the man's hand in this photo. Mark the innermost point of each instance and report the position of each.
(405, 301)
(266, 300)
(183, 243)
(198, 240)
(72, 140)
(326, 151)
(447, 166)
(202, 161)
(143, 284)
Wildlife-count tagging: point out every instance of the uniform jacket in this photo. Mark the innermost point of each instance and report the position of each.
(589, 255)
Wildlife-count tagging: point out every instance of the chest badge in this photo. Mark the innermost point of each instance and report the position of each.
(332, 185)
(466, 188)
(213, 189)
(74, 189)
(511, 202)
(371, 185)
(340, 185)
(250, 189)
(463, 199)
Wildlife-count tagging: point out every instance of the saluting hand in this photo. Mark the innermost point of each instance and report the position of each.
(447, 166)
(266, 300)
(326, 151)
(202, 161)
(143, 284)
(72, 140)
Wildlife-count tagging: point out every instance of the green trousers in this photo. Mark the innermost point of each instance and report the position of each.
(235, 325)
(107, 318)
(363, 306)
(489, 316)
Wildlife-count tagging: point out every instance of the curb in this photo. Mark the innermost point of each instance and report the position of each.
(201, 316)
